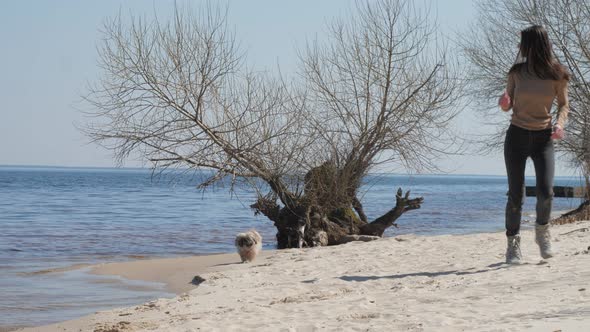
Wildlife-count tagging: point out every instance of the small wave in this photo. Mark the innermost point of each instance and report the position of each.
(56, 270)
(138, 256)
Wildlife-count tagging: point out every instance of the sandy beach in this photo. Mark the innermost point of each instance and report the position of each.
(405, 283)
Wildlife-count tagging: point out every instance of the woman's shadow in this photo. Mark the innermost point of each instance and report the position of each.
(492, 267)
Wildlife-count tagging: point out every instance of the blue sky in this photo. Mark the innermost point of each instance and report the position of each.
(49, 54)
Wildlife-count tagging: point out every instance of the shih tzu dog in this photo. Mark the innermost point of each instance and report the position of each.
(248, 245)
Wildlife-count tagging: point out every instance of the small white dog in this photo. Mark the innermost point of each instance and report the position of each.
(249, 245)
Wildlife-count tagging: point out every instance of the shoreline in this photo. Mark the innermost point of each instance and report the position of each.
(12, 328)
(174, 273)
(410, 282)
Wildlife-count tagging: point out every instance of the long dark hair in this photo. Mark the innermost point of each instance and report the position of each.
(540, 60)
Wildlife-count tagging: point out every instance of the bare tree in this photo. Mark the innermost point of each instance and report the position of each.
(492, 47)
(380, 91)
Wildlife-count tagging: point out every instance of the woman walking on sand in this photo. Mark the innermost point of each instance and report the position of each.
(533, 85)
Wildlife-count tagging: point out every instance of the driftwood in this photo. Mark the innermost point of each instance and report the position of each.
(583, 229)
(403, 204)
(581, 213)
(559, 191)
(362, 238)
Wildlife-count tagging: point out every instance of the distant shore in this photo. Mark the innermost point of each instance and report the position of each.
(415, 283)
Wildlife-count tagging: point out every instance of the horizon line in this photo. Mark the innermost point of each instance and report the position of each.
(150, 168)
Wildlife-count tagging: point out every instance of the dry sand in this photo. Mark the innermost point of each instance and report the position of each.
(407, 283)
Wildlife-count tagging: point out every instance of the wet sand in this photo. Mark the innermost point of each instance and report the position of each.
(176, 273)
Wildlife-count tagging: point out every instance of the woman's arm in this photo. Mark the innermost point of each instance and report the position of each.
(506, 102)
(563, 107)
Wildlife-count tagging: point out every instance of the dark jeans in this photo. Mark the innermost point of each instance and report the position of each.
(519, 145)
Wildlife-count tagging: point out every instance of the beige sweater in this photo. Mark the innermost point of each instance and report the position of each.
(531, 100)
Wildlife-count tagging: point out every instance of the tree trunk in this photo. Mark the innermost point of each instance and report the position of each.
(308, 226)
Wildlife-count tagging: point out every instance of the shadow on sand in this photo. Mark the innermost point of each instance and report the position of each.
(492, 267)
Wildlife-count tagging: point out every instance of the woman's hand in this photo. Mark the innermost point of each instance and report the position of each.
(504, 102)
(558, 132)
